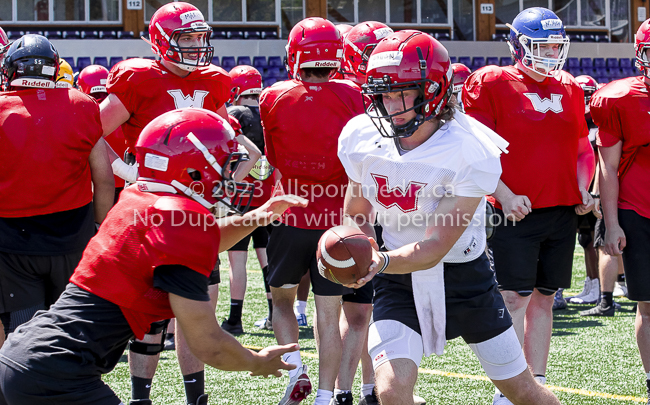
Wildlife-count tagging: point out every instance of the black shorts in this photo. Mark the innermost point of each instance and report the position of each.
(474, 306)
(58, 357)
(260, 238)
(291, 253)
(636, 255)
(361, 295)
(536, 252)
(27, 281)
(28, 388)
(599, 233)
(215, 276)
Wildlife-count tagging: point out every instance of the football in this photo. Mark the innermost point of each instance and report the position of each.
(344, 254)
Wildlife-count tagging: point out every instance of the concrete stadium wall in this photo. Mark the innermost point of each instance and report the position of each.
(137, 47)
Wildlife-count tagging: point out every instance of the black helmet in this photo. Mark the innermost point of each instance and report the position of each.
(31, 61)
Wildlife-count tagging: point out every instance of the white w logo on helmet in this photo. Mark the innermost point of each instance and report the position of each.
(544, 104)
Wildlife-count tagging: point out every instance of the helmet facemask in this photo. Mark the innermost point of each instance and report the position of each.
(383, 121)
(180, 55)
(642, 61)
(532, 57)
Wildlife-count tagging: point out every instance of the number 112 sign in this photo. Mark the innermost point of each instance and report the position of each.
(134, 4)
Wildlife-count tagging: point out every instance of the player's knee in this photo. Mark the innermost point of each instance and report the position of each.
(153, 343)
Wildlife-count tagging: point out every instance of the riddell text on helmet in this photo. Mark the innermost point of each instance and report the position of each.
(326, 64)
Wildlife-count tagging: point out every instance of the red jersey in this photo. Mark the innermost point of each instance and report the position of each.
(543, 121)
(621, 110)
(144, 231)
(116, 140)
(147, 89)
(302, 123)
(46, 136)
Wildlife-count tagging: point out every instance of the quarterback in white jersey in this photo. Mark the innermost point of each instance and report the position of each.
(422, 170)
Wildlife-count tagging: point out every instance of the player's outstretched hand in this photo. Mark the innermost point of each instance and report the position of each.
(517, 207)
(587, 204)
(269, 360)
(615, 240)
(275, 207)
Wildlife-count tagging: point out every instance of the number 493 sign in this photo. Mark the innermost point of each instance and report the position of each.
(134, 4)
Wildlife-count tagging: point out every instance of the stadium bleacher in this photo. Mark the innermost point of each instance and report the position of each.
(604, 70)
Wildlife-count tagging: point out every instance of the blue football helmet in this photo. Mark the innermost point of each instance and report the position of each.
(532, 28)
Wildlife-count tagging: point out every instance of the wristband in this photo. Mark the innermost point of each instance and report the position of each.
(595, 195)
(386, 262)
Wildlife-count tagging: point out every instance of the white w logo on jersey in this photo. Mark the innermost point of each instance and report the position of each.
(543, 105)
(183, 101)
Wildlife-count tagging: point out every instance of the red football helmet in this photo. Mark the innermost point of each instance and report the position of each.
(589, 86)
(641, 43)
(92, 81)
(193, 151)
(171, 21)
(408, 60)
(461, 73)
(313, 43)
(357, 47)
(343, 29)
(246, 81)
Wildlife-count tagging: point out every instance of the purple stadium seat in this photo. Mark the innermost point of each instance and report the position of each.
(505, 61)
(586, 63)
(492, 61)
(275, 61)
(244, 60)
(82, 62)
(259, 62)
(114, 61)
(465, 60)
(599, 62)
(269, 81)
(101, 60)
(478, 62)
(215, 61)
(228, 62)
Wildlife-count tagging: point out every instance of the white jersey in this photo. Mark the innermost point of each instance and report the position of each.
(405, 190)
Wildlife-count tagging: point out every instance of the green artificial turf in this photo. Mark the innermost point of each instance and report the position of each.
(592, 360)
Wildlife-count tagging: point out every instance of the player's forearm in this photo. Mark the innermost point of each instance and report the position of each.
(235, 228)
(586, 168)
(608, 185)
(502, 193)
(254, 155)
(420, 255)
(225, 353)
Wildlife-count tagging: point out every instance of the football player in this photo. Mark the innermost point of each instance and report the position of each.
(55, 175)
(424, 168)
(92, 81)
(461, 73)
(304, 152)
(140, 90)
(357, 306)
(66, 76)
(246, 90)
(620, 109)
(546, 175)
(151, 260)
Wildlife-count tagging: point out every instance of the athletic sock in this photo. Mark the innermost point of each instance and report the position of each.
(293, 358)
(366, 389)
(300, 307)
(140, 387)
(621, 278)
(265, 276)
(194, 386)
(235, 311)
(338, 391)
(323, 397)
(270, 301)
(606, 299)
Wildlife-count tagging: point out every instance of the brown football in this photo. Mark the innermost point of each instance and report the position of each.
(344, 254)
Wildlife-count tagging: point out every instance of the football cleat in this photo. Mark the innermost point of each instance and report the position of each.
(500, 399)
(201, 400)
(298, 389)
(236, 329)
(264, 323)
(369, 399)
(558, 301)
(418, 400)
(599, 310)
(342, 399)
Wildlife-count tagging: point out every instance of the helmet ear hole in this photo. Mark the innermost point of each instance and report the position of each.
(195, 175)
